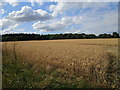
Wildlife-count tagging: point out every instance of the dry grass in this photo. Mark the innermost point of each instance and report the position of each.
(93, 60)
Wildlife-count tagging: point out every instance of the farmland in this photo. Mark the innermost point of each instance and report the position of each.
(74, 63)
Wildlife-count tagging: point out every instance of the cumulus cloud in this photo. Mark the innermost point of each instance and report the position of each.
(40, 2)
(27, 14)
(33, 2)
(61, 7)
(0, 4)
(100, 23)
(91, 21)
(10, 29)
(5, 23)
(16, 2)
(56, 24)
(48, 27)
(1, 8)
(94, 22)
(3, 11)
(7, 26)
(11, 2)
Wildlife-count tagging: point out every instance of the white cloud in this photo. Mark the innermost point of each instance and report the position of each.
(3, 11)
(27, 14)
(0, 4)
(88, 22)
(5, 23)
(7, 26)
(1, 8)
(33, 2)
(56, 25)
(101, 23)
(61, 7)
(11, 2)
(94, 22)
(98, 23)
(10, 29)
(40, 2)
(73, 31)
(48, 27)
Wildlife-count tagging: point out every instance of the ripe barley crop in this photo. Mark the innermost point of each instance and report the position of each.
(91, 60)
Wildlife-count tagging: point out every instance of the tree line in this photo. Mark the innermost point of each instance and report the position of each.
(24, 37)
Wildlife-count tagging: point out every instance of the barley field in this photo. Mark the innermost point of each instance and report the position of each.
(75, 63)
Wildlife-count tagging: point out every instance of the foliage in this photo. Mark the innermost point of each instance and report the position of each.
(19, 74)
(23, 37)
(61, 64)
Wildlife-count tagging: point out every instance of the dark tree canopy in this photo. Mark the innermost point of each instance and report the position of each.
(23, 37)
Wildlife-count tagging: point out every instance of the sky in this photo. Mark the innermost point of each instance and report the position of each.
(59, 17)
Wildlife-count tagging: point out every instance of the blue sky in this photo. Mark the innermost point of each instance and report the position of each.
(59, 17)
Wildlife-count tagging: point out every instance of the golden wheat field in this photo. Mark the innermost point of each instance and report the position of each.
(93, 60)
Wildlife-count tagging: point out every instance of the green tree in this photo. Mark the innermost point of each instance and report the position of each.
(115, 35)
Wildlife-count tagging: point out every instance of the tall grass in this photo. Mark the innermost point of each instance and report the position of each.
(59, 64)
(21, 74)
